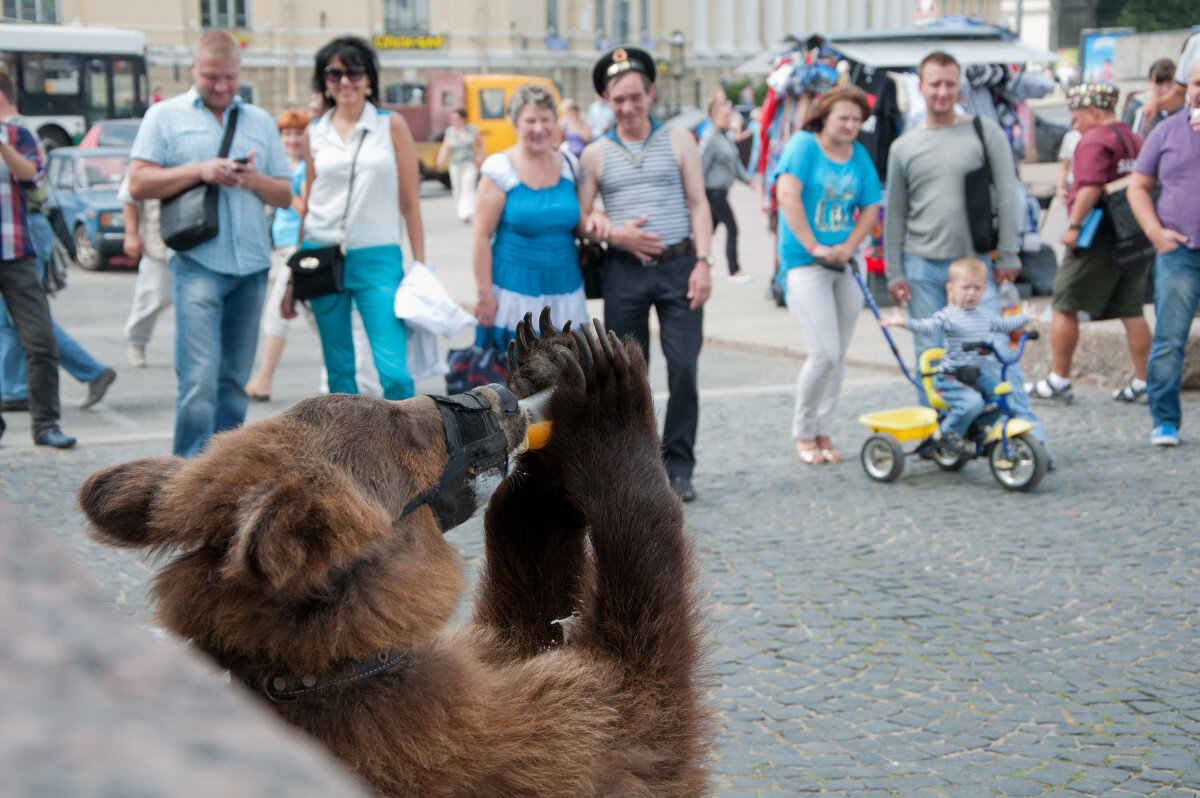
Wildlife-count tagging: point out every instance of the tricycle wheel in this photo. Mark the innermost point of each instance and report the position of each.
(882, 458)
(1026, 464)
(949, 462)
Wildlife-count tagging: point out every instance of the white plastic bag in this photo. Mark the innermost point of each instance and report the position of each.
(427, 310)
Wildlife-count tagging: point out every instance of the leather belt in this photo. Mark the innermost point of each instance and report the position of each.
(684, 247)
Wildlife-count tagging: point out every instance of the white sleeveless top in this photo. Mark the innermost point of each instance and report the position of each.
(374, 218)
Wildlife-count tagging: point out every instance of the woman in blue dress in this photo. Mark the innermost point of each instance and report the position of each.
(526, 215)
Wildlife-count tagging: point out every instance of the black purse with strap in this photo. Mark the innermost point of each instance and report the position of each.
(321, 271)
(190, 217)
(981, 205)
(591, 255)
(1128, 245)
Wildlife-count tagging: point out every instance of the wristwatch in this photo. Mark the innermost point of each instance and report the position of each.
(706, 258)
(1075, 227)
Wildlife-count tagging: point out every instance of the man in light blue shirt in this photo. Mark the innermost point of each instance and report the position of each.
(219, 284)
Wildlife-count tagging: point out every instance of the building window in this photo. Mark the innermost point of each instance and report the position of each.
(601, 23)
(552, 18)
(224, 13)
(31, 10)
(406, 16)
(644, 20)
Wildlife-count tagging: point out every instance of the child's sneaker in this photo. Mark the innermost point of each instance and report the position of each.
(1042, 389)
(950, 443)
(1165, 435)
(1129, 393)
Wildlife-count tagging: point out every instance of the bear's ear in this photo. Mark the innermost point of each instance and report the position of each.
(291, 531)
(118, 501)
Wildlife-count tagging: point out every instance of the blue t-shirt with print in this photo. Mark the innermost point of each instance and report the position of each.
(831, 192)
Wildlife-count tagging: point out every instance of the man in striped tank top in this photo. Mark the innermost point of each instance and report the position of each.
(660, 232)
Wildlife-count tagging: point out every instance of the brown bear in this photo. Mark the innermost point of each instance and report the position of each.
(308, 559)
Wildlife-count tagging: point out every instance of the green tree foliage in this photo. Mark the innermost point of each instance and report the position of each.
(1146, 15)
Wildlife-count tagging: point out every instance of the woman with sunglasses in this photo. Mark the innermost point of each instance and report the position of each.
(354, 137)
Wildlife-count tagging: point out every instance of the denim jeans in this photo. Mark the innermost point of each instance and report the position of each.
(26, 300)
(216, 331)
(1176, 296)
(966, 402)
(927, 281)
(14, 371)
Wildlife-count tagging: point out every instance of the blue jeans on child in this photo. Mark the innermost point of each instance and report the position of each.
(966, 402)
(14, 371)
(1176, 296)
(927, 281)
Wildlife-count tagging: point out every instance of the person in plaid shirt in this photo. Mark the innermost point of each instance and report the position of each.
(20, 169)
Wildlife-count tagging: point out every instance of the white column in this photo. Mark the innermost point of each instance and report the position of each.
(725, 24)
(818, 18)
(795, 19)
(858, 15)
(838, 15)
(878, 18)
(749, 35)
(774, 28)
(700, 43)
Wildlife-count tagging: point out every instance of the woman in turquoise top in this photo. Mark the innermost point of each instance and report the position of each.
(829, 196)
(526, 215)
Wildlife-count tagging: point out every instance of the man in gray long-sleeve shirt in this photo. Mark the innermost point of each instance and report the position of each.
(925, 223)
(722, 165)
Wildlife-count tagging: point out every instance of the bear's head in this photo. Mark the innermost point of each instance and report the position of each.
(315, 536)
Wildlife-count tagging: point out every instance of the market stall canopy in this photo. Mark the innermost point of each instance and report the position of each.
(970, 44)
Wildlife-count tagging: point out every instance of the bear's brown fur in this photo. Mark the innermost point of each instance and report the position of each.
(293, 563)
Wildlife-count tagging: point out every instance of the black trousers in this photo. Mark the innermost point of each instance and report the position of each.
(21, 287)
(722, 213)
(630, 291)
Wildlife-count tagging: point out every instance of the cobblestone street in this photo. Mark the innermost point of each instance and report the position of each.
(936, 636)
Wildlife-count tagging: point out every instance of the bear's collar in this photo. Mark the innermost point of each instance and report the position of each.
(277, 687)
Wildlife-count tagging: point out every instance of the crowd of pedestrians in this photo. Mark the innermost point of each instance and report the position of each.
(346, 176)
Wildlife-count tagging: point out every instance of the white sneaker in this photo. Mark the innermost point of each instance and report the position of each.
(740, 277)
(137, 356)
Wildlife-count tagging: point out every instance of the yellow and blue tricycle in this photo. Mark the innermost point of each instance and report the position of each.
(1017, 459)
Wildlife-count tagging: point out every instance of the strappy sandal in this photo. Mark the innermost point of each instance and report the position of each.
(831, 454)
(810, 456)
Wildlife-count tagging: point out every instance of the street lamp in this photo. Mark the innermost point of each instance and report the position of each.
(677, 41)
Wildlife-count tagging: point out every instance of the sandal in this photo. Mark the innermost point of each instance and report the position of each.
(831, 454)
(810, 455)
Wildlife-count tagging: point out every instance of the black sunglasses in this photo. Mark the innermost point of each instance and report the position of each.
(335, 75)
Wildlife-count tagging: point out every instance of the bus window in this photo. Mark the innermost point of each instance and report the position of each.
(50, 74)
(97, 88)
(124, 74)
(491, 103)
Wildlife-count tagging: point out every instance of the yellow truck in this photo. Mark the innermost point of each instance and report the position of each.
(486, 99)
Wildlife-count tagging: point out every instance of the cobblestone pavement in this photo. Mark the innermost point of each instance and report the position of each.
(933, 636)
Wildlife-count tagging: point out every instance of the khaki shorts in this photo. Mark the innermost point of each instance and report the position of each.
(1087, 281)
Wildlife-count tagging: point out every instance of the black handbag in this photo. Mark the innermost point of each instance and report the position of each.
(481, 364)
(591, 255)
(981, 205)
(321, 271)
(591, 264)
(190, 217)
(1128, 245)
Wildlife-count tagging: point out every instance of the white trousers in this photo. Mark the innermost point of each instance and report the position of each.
(151, 296)
(826, 304)
(463, 176)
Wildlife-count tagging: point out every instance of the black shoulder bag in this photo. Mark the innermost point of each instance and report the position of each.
(1129, 247)
(981, 206)
(321, 271)
(591, 255)
(190, 217)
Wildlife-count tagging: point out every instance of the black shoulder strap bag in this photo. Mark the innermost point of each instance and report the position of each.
(321, 271)
(981, 206)
(1129, 247)
(591, 254)
(190, 217)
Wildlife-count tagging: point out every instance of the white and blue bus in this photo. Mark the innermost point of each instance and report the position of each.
(69, 76)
